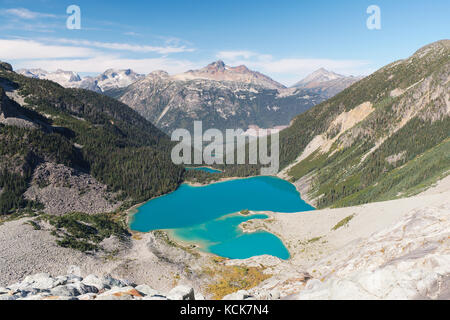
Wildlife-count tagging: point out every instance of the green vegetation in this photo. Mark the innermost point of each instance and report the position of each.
(344, 222)
(245, 212)
(313, 240)
(84, 232)
(426, 148)
(34, 225)
(118, 147)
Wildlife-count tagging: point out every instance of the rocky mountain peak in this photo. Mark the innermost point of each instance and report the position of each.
(219, 71)
(325, 82)
(158, 73)
(218, 65)
(318, 76)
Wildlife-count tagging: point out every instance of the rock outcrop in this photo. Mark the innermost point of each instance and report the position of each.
(43, 286)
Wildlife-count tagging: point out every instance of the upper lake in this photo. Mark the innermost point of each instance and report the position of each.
(205, 169)
(188, 209)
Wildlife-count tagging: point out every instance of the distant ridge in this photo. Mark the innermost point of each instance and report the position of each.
(326, 82)
(108, 80)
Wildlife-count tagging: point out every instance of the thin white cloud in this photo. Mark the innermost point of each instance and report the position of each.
(25, 53)
(291, 70)
(30, 49)
(24, 13)
(126, 46)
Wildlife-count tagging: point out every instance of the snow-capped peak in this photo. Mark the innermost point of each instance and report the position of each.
(318, 76)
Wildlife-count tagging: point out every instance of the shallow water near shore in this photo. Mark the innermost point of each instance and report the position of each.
(223, 237)
(203, 215)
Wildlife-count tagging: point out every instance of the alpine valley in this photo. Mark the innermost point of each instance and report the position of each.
(366, 161)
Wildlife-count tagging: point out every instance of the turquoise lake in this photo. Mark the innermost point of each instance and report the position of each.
(207, 215)
(205, 169)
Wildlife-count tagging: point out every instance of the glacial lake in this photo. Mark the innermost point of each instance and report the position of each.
(205, 169)
(209, 215)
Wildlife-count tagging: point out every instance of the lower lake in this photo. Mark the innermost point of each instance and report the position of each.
(207, 215)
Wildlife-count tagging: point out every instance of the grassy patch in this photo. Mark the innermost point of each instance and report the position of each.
(34, 225)
(313, 240)
(343, 222)
(229, 279)
(84, 232)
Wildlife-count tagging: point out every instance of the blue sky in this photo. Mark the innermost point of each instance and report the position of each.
(283, 39)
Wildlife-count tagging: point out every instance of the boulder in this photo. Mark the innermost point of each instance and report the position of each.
(239, 295)
(146, 290)
(181, 293)
(65, 290)
(111, 282)
(99, 283)
(41, 281)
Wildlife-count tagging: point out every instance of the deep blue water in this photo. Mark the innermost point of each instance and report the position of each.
(202, 215)
(206, 169)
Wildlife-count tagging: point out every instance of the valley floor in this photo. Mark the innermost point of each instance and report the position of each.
(393, 249)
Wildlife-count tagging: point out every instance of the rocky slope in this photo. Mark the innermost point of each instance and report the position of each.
(386, 136)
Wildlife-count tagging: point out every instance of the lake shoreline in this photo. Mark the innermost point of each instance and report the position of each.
(247, 195)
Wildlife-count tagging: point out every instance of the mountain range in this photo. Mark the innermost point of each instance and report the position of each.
(222, 96)
(385, 136)
(108, 80)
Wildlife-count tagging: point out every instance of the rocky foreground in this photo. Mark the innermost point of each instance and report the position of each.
(42, 286)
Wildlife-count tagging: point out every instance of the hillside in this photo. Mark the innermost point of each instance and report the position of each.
(386, 136)
(56, 141)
